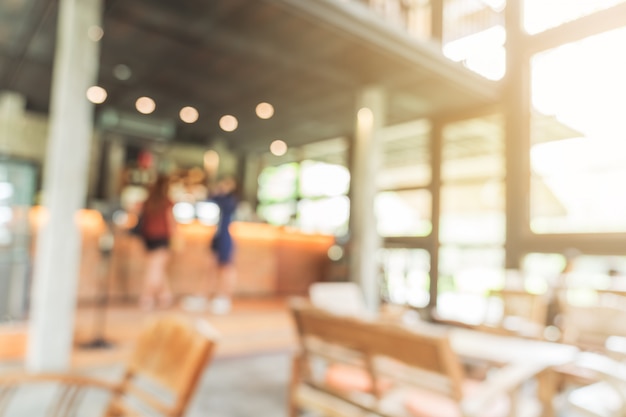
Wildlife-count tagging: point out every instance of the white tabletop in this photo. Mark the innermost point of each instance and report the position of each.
(472, 344)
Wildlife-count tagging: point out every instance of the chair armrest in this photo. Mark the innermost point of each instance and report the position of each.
(501, 382)
(66, 379)
(603, 366)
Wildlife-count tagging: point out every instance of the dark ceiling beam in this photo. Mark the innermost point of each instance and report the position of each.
(369, 29)
(8, 78)
(219, 37)
(28, 60)
(594, 24)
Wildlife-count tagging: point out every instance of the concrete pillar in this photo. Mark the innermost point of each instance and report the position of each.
(364, 239)
(436, 159)
(517, 111)
(65, 186)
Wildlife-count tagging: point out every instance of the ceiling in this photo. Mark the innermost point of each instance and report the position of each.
(308, 59)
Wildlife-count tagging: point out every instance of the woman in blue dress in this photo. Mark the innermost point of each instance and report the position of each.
(222, 246)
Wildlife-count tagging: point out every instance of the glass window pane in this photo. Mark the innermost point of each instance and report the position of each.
(278, 183)
(474, 34)
(319, 179)
(327, 215)
(404, 213)
(406, 156)
(473, 213)
(540, 15)
(473, 149)
(578, 156)
(586, 274)
(465, 277)
(406, 278)
(278, 214)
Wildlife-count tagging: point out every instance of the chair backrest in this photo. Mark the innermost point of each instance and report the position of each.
(383, 351)
(591, 326)
(344, 298)
(169, 358)
(522, 304)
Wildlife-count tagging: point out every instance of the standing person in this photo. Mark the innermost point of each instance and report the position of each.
(222, 246)
(156, 229)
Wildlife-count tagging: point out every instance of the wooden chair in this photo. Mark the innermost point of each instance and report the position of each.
(591, 326)
(168, 360)
(391, 371)
(523, 313)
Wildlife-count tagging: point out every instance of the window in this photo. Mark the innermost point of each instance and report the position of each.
(578, 157)
(311, 195)
(404, 213)
(474, 34)
(406, 276)
(540, 15)
(472, 226)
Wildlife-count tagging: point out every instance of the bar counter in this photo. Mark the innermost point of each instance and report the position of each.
(269, 260)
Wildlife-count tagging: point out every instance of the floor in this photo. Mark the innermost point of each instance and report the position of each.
(249, 375)
(253, 327)
(252, 359)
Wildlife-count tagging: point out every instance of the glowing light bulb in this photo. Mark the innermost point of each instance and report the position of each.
(145, 105)
(278, 148)
(264, 110)
(96, 94)
(189, 114)
(228, 123)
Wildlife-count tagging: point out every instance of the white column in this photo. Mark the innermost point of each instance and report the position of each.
(65, 185)
(366, 150)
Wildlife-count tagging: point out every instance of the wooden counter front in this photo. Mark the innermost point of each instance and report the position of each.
(269, 260)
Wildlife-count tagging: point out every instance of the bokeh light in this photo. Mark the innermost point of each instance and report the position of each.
(189, 114)
(122, 72)
(228, 123)
(96, 94)
(264, 110)
(211, 161)
(145, 105)
(278, 148)
(95, 33)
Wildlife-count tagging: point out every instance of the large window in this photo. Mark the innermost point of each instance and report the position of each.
(406, 276)
(578, 157)
(466, 275)
(403, 206)
(404, 213)
(589, 279)
(278, 189)
(310, 195)
(474, 34)
(472, 225)
(540, 15)
(472, 193)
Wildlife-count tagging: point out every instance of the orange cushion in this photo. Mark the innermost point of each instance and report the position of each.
(349, 378)
(425, 403)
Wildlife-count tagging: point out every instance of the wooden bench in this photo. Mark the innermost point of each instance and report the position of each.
(351, 367)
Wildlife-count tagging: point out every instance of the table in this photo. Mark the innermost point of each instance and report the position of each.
(507, 350)
(497, 349)
(500, 350)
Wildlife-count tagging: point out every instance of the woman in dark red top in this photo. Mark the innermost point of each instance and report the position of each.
(157, 228)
